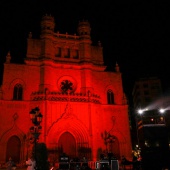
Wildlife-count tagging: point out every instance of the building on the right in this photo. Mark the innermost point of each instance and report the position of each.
(151, 126)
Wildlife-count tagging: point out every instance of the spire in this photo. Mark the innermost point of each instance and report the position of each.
(84, 29)
(8, 58)
(47, 25)
(117, 68)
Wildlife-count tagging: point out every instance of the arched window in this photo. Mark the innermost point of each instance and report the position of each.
(110, 97)
(17, 93)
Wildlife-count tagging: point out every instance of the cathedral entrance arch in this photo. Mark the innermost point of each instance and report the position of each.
(67, 145)
(13, 149)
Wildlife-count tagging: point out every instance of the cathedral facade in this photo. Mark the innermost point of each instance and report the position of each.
(84, 108)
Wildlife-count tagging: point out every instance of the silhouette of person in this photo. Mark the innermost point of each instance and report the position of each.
(10, 164)
(30, 164)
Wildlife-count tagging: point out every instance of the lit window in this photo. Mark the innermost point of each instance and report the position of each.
(17, 93)
(152, 121)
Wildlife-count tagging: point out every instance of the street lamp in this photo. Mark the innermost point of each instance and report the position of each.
(35, 130)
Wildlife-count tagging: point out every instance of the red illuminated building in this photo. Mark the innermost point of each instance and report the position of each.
(65, 76)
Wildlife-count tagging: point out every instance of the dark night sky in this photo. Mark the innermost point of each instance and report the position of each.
(134, 33)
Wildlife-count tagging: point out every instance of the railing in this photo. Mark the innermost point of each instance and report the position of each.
(66, 36)
(72, 97)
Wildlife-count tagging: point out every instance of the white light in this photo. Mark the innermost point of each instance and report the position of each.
(140, 111)
(161, 110)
